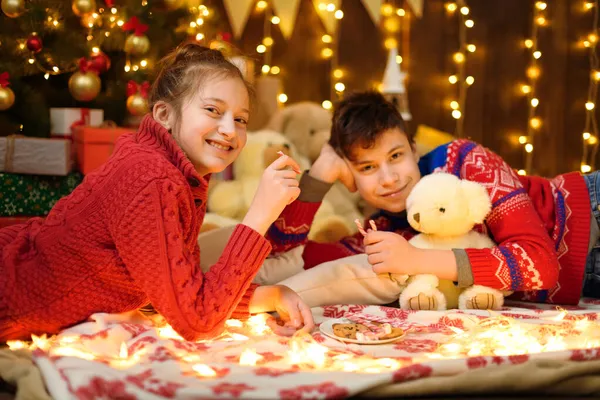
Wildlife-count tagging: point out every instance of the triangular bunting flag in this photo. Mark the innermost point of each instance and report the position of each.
(287, 11)
(327, 17)
(417, 7)
(374, 9)
(238, 12)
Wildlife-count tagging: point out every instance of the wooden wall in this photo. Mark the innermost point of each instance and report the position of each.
(496, 114)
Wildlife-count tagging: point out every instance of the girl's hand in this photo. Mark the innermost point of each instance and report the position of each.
(293, 312)
(278, 187)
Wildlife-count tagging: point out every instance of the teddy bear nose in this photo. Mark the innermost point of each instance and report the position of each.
(287, 146)
(416, 217)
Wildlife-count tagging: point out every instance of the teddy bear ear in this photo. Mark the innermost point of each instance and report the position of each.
(279, 120)
(480, 204)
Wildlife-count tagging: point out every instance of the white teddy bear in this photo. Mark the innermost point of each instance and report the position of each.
(444, 209)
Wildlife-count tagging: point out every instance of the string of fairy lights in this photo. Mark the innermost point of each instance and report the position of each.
(590, 131)
(329, 52)
(459, 78)
(529, 89)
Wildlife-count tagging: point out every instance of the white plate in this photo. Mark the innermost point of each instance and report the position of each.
(327, 329)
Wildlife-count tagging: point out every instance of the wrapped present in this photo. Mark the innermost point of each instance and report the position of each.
(36, 156)
(33, 195)
(94, 145)
(62, 120)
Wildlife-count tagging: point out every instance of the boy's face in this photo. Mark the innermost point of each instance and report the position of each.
(386, 173)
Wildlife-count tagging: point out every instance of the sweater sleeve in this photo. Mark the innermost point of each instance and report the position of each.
(524, 258)
(163, 259)
(291, 228)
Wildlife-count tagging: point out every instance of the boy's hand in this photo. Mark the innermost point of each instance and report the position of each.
(293, 312)
(330, 167)
(389, 252)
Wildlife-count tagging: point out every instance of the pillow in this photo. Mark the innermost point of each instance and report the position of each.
(348, 280)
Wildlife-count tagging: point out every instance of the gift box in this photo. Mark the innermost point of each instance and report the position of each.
(33, 195)
(94, 145)
(62, 120)
(27, 155)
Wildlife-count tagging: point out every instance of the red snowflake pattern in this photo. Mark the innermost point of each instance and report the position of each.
(329, 389)
(396, 313)
(234, 389)
(135, 329)
(146, 381)
(476, 362)
(412, 372)
(191, 347)
(319, 338)
(161, 354)
(142, 344)
(274, 372)
(455, 322)
(585, 355)
(498, 360)
(518, 359)
(416, 345)
(103, 334)
(100, 388)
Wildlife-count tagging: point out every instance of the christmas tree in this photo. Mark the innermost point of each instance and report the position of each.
(87, 53)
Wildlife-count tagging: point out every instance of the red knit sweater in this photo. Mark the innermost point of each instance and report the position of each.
(125, 237)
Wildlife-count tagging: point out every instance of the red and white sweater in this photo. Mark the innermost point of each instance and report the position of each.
(541, 226)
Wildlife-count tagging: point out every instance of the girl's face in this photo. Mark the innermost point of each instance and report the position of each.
(211, 129)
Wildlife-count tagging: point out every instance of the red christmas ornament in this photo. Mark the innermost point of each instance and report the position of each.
(100, 62)
(34, 43)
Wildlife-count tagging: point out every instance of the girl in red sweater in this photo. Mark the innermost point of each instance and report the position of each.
(127, 236)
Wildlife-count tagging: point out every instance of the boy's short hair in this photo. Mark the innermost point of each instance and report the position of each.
(360, 118)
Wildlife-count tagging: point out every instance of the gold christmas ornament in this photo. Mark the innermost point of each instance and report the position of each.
(137, 45)
(13, 8)
(7, 98)
(84, 86)
(137, 104)
(82, 7)
(173, 4)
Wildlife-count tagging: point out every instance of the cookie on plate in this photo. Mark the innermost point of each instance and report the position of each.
(349, 331)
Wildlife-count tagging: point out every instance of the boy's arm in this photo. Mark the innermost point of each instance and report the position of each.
(525, 258)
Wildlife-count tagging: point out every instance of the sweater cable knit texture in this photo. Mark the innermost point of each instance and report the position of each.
(125, 237)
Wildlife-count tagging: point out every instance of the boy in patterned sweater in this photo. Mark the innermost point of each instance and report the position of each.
(544, 228)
